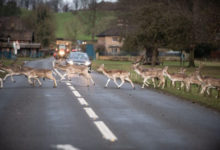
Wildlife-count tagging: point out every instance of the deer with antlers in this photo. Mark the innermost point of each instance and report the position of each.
(73, 70)
(115, 74)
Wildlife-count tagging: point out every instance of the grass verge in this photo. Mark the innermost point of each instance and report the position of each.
(210, 69)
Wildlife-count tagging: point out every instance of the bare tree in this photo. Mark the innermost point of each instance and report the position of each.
(76, 4)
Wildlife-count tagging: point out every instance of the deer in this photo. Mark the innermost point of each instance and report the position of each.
(192, 79)
(114, 75)
(33, 73)
(72, 70)
(150, 73)
(176, 77)
(207, 83)
(12, 70)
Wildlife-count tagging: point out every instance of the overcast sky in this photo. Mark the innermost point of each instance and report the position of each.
(97, 0)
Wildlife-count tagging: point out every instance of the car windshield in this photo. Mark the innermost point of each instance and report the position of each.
(62, 46)
(78, 56)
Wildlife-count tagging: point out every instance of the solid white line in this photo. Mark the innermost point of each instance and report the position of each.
(91, 113)
(82, 101)
(105, 131)
(76, 93)
(72, 88)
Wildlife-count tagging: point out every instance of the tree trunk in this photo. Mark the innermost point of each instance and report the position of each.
(154, 57)
(191, 57)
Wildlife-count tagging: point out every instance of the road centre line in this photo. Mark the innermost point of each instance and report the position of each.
(105, 131)
(61, 76)
(67, 83)
(82, 101)
(91, 113)
(72, 88)
(76, 93)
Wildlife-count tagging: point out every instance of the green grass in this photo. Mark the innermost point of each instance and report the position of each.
(211, 69)
(80, 23)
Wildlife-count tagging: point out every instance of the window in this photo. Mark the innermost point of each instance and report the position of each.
(114, 50)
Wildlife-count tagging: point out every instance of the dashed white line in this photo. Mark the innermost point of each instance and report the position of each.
(91, 113)
(72, 88)
(82, 101)
(76, 93)
(67, 83)
(105, 131)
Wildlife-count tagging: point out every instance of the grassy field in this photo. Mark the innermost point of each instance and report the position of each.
(68, 22)
(210, 69)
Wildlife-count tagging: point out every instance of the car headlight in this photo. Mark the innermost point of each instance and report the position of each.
(87, 63)
(61, 53)
(70, 62)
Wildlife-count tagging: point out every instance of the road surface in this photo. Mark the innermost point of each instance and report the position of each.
(76, 117)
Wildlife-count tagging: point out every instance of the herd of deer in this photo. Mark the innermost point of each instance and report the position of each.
(205, 83)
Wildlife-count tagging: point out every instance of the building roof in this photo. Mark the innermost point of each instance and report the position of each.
(14, 28)
(16, 35)
(115, 31)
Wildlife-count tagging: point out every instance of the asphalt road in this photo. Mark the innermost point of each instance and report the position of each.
(76, 117)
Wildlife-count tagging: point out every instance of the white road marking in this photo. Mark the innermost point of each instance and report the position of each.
(61, 76)
(82, 101)
(105, 131)
(65, 147)
(67, 83)
(72, 88)
(91, 113)
(76, 93)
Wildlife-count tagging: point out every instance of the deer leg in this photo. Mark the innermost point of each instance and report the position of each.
(29, 80)
(116, 82)
(6, 76)
(181, 85)
(12, 79)
(106, 85)
(55, 82)
(144, 83)
(122, 82)
(129, 80)
(203, 88)
(35, 78)
(153, 82)
(90, 78)
(1, 86)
